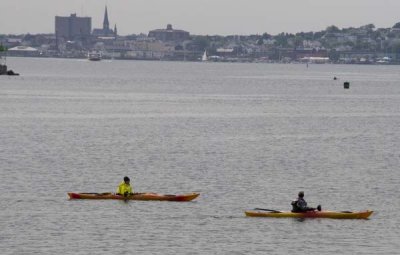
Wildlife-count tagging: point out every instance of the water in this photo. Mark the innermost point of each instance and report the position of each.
(243, 135)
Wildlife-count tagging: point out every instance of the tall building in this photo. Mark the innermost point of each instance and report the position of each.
(169, 34)
(105, 31)
(73, 27)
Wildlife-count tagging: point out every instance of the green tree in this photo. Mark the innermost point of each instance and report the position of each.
(201, 42)
(369, 27)
(281, 40)
(266, 36)
(397, 25)
(332, 29)
(318, 35)
(396, 49)
(306, 36)
(298, 41)
(333, 55)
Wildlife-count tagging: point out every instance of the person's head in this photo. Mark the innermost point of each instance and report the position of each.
(126, 179)
(301, 194)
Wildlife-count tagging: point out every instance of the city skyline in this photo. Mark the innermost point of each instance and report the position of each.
(201, 17)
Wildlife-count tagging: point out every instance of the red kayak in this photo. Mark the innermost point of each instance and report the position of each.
(136, 196)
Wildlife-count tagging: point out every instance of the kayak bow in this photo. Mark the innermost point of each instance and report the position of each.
(311, 214)
(136, 196)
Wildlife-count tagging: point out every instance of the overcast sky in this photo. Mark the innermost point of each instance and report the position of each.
(201, 16)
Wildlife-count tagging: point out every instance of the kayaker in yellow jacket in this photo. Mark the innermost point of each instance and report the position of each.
(124, 188)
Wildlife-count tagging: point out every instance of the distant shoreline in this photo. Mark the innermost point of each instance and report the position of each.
(238, 60)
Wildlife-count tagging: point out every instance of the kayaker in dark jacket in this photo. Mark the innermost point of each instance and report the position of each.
(124, 188)
(300, 205)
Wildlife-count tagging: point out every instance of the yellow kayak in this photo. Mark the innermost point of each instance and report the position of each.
(311, 214)
(136, 196)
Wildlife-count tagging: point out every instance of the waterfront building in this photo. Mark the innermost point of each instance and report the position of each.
(169, 34)
(73, 27)
(23, 51)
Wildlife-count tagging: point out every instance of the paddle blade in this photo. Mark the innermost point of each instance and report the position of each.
(268, 210)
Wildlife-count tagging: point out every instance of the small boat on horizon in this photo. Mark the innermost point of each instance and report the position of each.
(204, 57)
(94, 56)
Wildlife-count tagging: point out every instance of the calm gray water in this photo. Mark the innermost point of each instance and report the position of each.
(243, 135)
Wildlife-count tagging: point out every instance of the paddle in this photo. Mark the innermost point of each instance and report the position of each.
(275, 211)
(268, 210)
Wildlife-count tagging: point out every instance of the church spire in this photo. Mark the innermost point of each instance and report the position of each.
(115, 30)
(106, 24)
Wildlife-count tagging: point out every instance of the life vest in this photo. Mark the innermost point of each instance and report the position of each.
(124, 188)
(299, 205)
